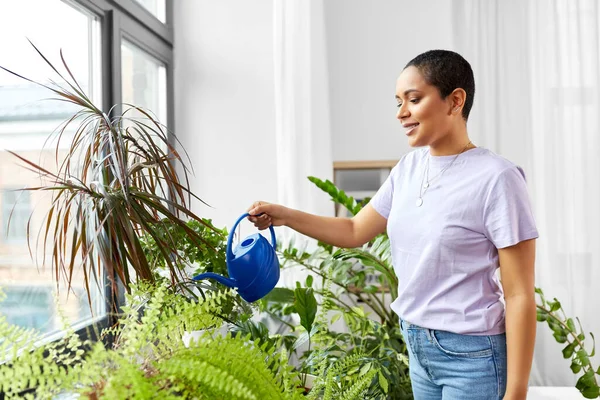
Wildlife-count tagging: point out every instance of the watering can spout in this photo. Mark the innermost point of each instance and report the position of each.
(219, 278)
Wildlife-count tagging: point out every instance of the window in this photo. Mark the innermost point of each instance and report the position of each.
(143, 81)
(29, 307)
(119, 51)
(27, 120)
(158, 8)
(360, 179)
(16, 209)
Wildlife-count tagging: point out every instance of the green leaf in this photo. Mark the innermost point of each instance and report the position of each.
(539, 291)
(591, 392)
(555, 305)
(365, 368)
(541, 316)
(568, 350)
(575, 367)
(303, 338)
(571, 324)
(337, 195)
(280, 295)
(593, 345)
(587, 385)
(306, 306)
(560, 337)
(383, 382)
(370, 289)
(309, 281)
(583, 357)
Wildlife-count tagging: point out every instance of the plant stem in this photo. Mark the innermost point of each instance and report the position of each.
(579, 342)
(386, 314)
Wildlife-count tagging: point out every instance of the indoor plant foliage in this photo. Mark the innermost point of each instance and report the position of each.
(150, 361)
(565, 331)
(118, 182)
(209, 256)
(373, 334)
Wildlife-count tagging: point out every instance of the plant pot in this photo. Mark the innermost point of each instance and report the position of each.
(309, 382)
(188, 336)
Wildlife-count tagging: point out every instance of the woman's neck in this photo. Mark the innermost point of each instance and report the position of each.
(453, 142)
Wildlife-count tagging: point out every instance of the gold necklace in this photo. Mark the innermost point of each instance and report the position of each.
(426, 182)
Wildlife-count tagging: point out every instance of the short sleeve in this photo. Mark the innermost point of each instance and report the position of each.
(507, 215)
(382, 200)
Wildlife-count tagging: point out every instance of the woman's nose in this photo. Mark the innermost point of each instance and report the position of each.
(402, 112)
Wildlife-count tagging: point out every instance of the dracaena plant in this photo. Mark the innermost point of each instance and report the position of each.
(122, 179)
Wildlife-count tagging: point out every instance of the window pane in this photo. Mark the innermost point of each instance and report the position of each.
(144, 84)
(27, 119)
(158, 8)
(144, 81)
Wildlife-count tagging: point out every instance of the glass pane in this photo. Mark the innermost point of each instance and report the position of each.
(158, 8)
(144, 82)
(144, 85)
(27, 119)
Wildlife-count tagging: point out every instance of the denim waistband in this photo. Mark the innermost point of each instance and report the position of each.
(404, 324)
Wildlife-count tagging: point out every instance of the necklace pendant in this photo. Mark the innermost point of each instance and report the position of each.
(419, 202)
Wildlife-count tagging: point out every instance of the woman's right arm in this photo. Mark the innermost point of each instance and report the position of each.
(339, 232)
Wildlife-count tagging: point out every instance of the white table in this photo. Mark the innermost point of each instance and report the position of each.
(553, 393)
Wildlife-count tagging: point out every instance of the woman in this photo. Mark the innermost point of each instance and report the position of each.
(455, 213)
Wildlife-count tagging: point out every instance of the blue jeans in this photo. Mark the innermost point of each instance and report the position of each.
(450, 366)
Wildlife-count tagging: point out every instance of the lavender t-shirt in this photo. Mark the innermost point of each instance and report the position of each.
(445, 252)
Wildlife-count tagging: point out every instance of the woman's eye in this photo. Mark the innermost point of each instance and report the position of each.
(415, 101)
(399, 105)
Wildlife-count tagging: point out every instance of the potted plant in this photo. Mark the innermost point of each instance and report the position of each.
(122, 179)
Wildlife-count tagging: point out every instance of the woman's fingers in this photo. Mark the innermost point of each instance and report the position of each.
(262, 222)
(259, 215)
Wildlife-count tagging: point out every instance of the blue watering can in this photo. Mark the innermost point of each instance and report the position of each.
(253, 266)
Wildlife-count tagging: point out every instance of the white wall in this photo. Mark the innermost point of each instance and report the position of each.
(224, 102)
(224, 88)
(368, 43)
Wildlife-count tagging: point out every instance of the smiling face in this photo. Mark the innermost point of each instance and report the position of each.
(426, 117)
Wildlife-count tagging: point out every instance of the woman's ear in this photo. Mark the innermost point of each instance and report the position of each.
(457, 100)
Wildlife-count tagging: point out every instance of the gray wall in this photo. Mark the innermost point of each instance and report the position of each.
(368, 43)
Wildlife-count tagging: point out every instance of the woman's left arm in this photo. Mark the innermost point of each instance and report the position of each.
(517, 275)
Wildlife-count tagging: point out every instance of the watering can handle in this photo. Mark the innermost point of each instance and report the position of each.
(230, 238)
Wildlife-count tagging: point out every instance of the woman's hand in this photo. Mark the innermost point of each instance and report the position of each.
(264, 214)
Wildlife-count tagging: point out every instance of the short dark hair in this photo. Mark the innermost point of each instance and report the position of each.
(447, 70)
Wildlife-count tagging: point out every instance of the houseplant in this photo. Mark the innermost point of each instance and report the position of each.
(122, 178)
(148, 359)
(344, 277)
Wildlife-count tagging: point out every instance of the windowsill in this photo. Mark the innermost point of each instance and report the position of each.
(553, 393)
(51, 337)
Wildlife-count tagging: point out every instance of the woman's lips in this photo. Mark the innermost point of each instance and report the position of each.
(410, 129)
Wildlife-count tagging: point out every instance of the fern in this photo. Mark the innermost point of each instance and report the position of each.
(340, 383)
(149, 359)
(230, 367)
